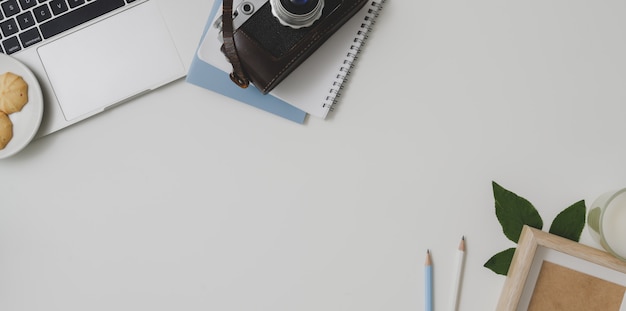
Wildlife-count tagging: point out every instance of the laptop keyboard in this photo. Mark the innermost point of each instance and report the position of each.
(24, 23)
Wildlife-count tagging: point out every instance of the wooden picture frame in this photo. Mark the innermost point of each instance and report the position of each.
(526, 268)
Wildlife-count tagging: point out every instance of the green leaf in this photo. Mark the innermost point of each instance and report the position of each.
(514, 212)
(501, 261)
(570, 222)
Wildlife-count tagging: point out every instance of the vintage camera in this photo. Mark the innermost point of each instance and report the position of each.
(278, 25)
(273, 37)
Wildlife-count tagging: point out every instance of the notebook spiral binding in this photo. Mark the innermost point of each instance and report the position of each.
(348, 64)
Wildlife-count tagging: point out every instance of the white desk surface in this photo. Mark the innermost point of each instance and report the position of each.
(187, 200)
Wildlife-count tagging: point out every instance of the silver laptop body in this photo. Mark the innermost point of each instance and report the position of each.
(100, 54)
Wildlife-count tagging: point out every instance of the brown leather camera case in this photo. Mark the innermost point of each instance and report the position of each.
(266, 70)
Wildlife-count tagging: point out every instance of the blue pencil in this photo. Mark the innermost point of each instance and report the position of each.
(429, 282)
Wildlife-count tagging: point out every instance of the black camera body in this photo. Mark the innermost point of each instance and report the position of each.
(267, 29)
(273, 37)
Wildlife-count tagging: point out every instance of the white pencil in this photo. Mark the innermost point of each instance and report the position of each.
(460, 261)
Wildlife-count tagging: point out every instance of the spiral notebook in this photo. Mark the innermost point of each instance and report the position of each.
(316, 85)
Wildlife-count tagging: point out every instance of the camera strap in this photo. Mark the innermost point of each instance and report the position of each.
(238, 75)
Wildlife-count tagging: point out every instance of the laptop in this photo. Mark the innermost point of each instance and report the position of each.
(90, 55)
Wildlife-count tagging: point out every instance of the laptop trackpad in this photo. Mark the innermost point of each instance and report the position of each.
(111, 61)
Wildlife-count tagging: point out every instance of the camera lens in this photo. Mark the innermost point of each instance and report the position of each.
(299, 7)
(297, 13)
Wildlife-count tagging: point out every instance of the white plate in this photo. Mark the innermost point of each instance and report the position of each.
(26, 122)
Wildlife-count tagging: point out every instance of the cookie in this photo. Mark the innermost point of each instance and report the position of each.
(13, 93)
(6, 130)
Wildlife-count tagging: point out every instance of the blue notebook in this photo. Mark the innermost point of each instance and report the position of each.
(209, 77)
